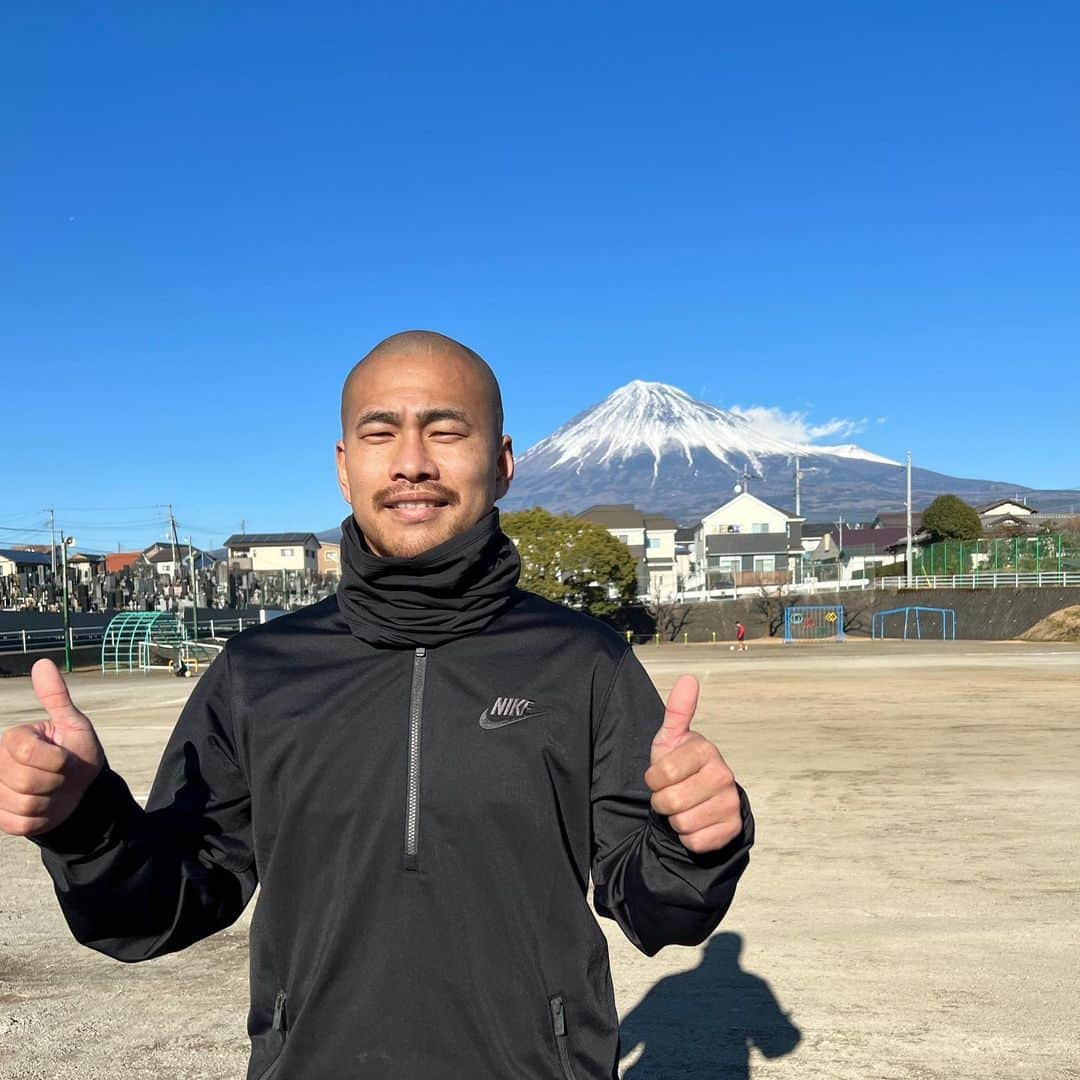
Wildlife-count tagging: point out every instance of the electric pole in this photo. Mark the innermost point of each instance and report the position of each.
(909, 580)
(52, 538)
(64, 541)
(194, 591)
(798, 477)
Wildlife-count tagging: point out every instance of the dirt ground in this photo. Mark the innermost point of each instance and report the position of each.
(911, 908)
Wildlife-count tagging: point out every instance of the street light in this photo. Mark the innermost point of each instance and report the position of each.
(65, 541)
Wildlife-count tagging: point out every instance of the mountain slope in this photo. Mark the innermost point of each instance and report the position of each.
(653, 445)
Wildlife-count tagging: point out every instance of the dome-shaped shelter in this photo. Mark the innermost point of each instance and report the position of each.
(130, 638)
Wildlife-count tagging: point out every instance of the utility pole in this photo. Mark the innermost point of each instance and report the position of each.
(840, 548)
(175, 542)
(52, 538)
(798, 477)
(194, 591)
(64, 541)
(909, 580)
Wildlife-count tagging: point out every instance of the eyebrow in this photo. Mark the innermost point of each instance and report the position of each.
(424, 418)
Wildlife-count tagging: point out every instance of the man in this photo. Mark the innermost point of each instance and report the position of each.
(740, 636)
(421, 771)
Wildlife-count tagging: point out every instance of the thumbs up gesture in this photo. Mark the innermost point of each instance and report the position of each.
(46, 767)
(691, 783)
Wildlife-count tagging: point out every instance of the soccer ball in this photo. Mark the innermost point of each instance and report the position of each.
(731, 647)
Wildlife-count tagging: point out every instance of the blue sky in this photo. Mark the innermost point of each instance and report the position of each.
(857, 216)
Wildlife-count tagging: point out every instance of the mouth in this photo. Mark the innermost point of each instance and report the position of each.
(411, 508)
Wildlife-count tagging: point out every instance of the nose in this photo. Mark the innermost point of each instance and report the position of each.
(411, 461)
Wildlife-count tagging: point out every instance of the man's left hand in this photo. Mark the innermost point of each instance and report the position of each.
(691, 783)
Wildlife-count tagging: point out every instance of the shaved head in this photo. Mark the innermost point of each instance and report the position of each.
(422, 455)
(432, 346)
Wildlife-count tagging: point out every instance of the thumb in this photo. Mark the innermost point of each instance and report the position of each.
(681, 703)
(53, 694)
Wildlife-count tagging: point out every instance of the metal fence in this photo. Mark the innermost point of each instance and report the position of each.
(1016, 554)
(986, 579)
(26, 641)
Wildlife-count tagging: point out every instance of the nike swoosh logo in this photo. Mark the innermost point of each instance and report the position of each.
(490, 724)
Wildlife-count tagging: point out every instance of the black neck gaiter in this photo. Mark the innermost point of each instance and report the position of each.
(445, 593)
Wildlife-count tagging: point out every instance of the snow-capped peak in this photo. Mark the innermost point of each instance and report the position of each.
(657, 418)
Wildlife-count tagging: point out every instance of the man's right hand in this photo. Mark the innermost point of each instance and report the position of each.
(46, 767)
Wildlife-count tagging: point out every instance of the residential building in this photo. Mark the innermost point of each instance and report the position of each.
(329, 558)
(16, 561)
(651, 540)
(273, 552)
(748, 542)
(174, 562)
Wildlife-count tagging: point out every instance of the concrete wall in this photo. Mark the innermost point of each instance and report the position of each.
(983, 614)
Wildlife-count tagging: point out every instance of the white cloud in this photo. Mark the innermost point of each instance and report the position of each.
(796, 427)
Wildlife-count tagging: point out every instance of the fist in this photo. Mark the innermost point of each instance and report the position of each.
(46, 767)
(690, 782)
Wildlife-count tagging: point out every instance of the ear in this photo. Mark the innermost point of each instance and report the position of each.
(504, 467)
(343, 472)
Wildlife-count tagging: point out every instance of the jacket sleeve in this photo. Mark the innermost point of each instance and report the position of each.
(136, 883)
(654, 888)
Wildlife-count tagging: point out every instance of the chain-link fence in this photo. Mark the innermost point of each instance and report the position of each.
(1013, 554)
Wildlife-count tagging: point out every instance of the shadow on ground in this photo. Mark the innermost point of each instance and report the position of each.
(701, 1024)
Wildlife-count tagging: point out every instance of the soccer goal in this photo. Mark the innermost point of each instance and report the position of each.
(914, 623)
(818, 623)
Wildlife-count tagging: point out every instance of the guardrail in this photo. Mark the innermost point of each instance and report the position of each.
(52, 637)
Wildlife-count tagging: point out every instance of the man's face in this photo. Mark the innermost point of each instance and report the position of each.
(420, 460)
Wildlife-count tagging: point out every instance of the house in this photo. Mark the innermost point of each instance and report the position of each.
(329, 558)
(273, 552)
(85, 568)
(685, 565)
(1008, 515)
(120, 560)
(813, 532)
(651, 540)
(171, 561)
(897, 519)
(852, 552)
(14, 561)
(748, 542)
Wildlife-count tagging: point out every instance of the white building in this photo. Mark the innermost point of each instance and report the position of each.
(651, 540)
(273, 552)
(748, 542)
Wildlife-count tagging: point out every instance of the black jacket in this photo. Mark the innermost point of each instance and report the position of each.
(424, 823)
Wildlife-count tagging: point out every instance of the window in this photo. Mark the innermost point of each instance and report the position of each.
(286, 552)
(654, 542)
(764, 564)
(622, 538)
(760, 527)
(725, 565)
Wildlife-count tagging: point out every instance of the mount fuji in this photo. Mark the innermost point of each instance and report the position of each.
(655, 446)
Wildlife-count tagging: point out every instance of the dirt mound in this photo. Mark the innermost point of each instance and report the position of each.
(1063, 625)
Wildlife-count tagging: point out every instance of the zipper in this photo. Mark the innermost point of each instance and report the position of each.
(558, 1022)
(412, 794)
(278, 1023)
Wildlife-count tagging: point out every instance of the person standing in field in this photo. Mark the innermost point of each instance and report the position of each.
(740, 636)
(422, 772)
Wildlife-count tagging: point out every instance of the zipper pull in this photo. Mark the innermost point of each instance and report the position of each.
(278, 1023)
(421, 652)
(558, 1016)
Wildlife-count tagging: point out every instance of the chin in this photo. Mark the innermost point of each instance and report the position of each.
(407, 544)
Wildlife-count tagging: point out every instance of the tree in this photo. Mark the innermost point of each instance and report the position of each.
(573, 562)
(948, 517)
(670, 618)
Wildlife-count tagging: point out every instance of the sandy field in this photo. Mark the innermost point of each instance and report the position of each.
(912, 907)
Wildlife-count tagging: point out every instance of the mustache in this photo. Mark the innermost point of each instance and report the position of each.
(418, 492)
